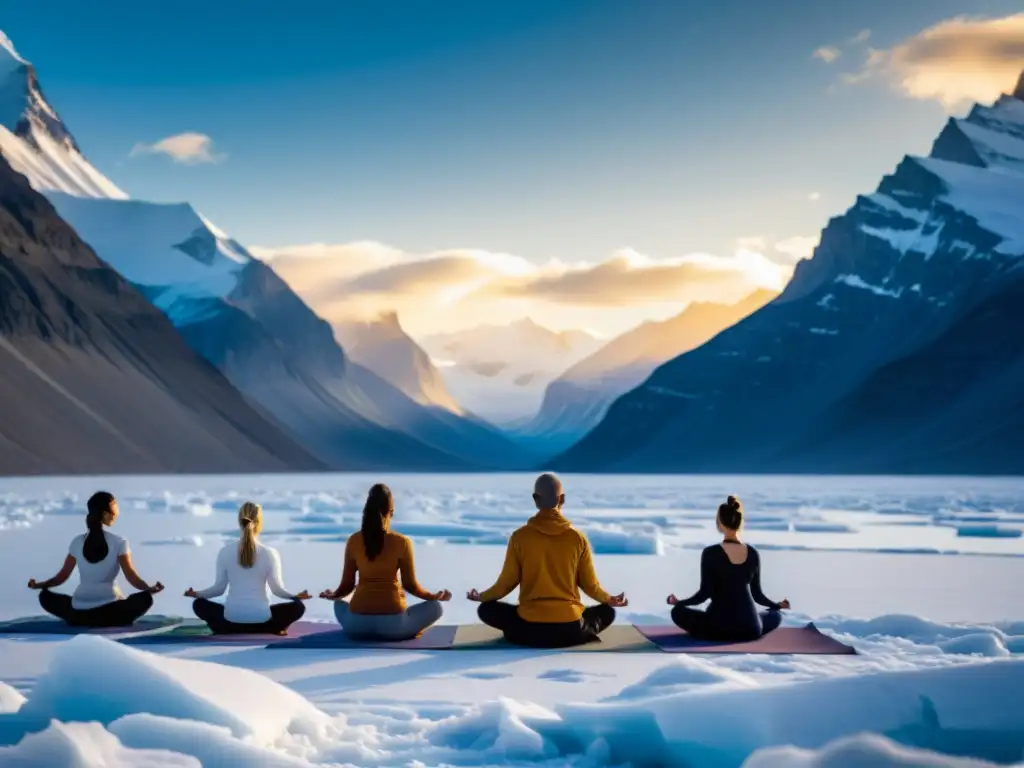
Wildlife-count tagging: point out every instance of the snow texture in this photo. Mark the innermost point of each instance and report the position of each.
(686, 712)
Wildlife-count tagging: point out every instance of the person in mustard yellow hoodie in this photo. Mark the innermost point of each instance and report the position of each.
(550, 562)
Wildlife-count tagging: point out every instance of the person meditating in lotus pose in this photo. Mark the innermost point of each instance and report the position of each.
(245, 569)
(730, 576)
(378, 555)
(99, 555)
(550, 561)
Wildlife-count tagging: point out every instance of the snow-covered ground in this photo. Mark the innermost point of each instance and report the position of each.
(921, 575)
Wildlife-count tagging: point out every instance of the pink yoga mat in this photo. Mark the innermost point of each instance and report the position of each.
(784, 640)
(194, 632)
(436, 638)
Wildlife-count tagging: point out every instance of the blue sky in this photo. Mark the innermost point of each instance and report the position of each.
(543, 129)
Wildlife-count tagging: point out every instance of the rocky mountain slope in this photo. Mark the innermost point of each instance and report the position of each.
(95, 380)
(576, 401)
(234, 310)
(382, 346)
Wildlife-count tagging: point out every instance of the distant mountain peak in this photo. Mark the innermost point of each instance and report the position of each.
(1018, 92)
(7, 47)
(25, 109)
(528, 323)
(35, 140)
(389, 317)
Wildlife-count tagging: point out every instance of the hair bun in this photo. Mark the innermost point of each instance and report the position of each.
(732, 502)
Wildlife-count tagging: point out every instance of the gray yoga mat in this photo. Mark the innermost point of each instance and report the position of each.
(195, 632)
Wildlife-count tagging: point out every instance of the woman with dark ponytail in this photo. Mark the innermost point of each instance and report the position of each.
(99, 556)
(378, 555)
(730, 577)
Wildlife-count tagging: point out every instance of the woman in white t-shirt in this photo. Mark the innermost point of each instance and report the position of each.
(245, 569)
(99, 556)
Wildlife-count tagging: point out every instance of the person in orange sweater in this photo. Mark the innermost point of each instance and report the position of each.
(378, 555)
(550, 561)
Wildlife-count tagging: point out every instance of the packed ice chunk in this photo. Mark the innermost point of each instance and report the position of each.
(684, 673)
(975, 707)
(976, 644)
(212, 745)
(10, 699)
(861, 750)
(505, 729)
(609, 540)
(95, 679)
(86, 745)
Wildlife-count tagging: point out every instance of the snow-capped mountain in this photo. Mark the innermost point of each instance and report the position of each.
(383, 346)
(896, 348)
(233, 309)
(34, 139)
(93, 379)
(500, 371)
(576, 401)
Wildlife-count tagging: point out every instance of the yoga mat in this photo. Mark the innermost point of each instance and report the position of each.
(615, 639)
(437, 638)
(49, 625)
(195, 632)
(784, 640)
(434, 638)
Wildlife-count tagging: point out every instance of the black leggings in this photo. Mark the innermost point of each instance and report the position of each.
(119, 613)
(282, 616)
(703, 626)
(535, 634)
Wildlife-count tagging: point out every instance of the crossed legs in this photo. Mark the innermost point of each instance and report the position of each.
(505, 617)
(391, 626)
(118, 613)
(282, 616)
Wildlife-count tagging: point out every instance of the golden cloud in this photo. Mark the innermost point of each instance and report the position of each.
(629, 278)
(955, 62)
(460, 288)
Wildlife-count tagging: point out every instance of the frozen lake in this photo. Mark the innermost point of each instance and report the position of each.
(852, 546)
(920, 574)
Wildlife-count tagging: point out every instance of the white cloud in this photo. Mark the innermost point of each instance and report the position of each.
(457, 288)
(798, 247)
(189, 148)
(828, 53)
(814, 197)
(955, 62)
(752, 243)
(861, 37)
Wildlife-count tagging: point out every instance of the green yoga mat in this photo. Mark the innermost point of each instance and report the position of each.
(48, 625)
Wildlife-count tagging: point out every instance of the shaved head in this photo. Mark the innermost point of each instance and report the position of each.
(547, 491)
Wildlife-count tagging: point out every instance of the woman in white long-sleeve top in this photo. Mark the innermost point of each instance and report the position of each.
(245, 569)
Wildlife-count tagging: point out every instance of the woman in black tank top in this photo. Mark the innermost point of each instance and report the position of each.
(732, 583)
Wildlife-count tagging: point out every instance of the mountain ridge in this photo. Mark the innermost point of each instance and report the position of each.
(576, 401)
(891, 278)
(94, 380)
(239, 314)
